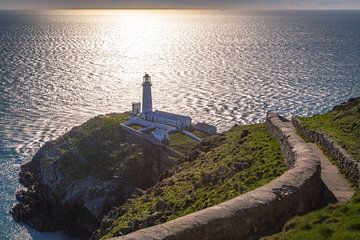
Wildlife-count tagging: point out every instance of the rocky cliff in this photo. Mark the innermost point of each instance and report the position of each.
(73, 181)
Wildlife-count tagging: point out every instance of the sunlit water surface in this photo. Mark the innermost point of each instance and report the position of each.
(57, 71)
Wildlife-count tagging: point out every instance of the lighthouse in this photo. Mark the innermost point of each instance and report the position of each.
(160, 123)
(146, 98)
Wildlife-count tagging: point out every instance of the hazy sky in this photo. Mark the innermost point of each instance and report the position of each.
(297, 4)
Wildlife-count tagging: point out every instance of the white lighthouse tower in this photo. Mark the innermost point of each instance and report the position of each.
(146, 98)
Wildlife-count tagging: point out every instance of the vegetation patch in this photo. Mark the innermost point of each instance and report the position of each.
(219, 168)
(136, 127)
(334, 222)
(100, 144)
(181, 143)
(342, 123)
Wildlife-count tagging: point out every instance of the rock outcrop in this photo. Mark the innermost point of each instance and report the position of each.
(73, 181)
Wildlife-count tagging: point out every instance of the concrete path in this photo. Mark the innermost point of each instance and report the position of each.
(189, 134)
(336, 183)
(339, 189)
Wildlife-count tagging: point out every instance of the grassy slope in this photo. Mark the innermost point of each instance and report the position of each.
(183, 143)
(339, 221)
(343, 124)
(136, 127)
(100, 144)
(243, 159)
(335, 222)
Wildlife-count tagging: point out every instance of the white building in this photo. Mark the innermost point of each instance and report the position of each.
(204, 127)
(158, 117)
(160, 134)
(170, 119)
(146, 97)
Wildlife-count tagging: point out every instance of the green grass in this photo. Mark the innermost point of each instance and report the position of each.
(96, 148)
(181, 142)
(343, 124)
(103, 122)
(334, 222)
(136, 127)
(220, 168)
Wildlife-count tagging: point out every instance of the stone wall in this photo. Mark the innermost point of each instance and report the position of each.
(347, 163)
(257, 213)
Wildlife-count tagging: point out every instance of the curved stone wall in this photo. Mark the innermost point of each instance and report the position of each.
(347, 163)
(259, 212)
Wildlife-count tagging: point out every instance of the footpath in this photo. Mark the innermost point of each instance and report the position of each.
(339, 189)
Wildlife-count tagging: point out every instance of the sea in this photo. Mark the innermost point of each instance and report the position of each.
(61, 68)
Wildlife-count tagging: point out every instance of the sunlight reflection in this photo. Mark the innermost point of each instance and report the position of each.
(144, 31)
(133, 34)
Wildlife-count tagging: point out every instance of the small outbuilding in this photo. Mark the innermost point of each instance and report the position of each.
(160, 134)
(204, 127)
(135, 108)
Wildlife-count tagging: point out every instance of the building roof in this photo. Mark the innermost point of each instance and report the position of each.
(166, 115)
(160, 132)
